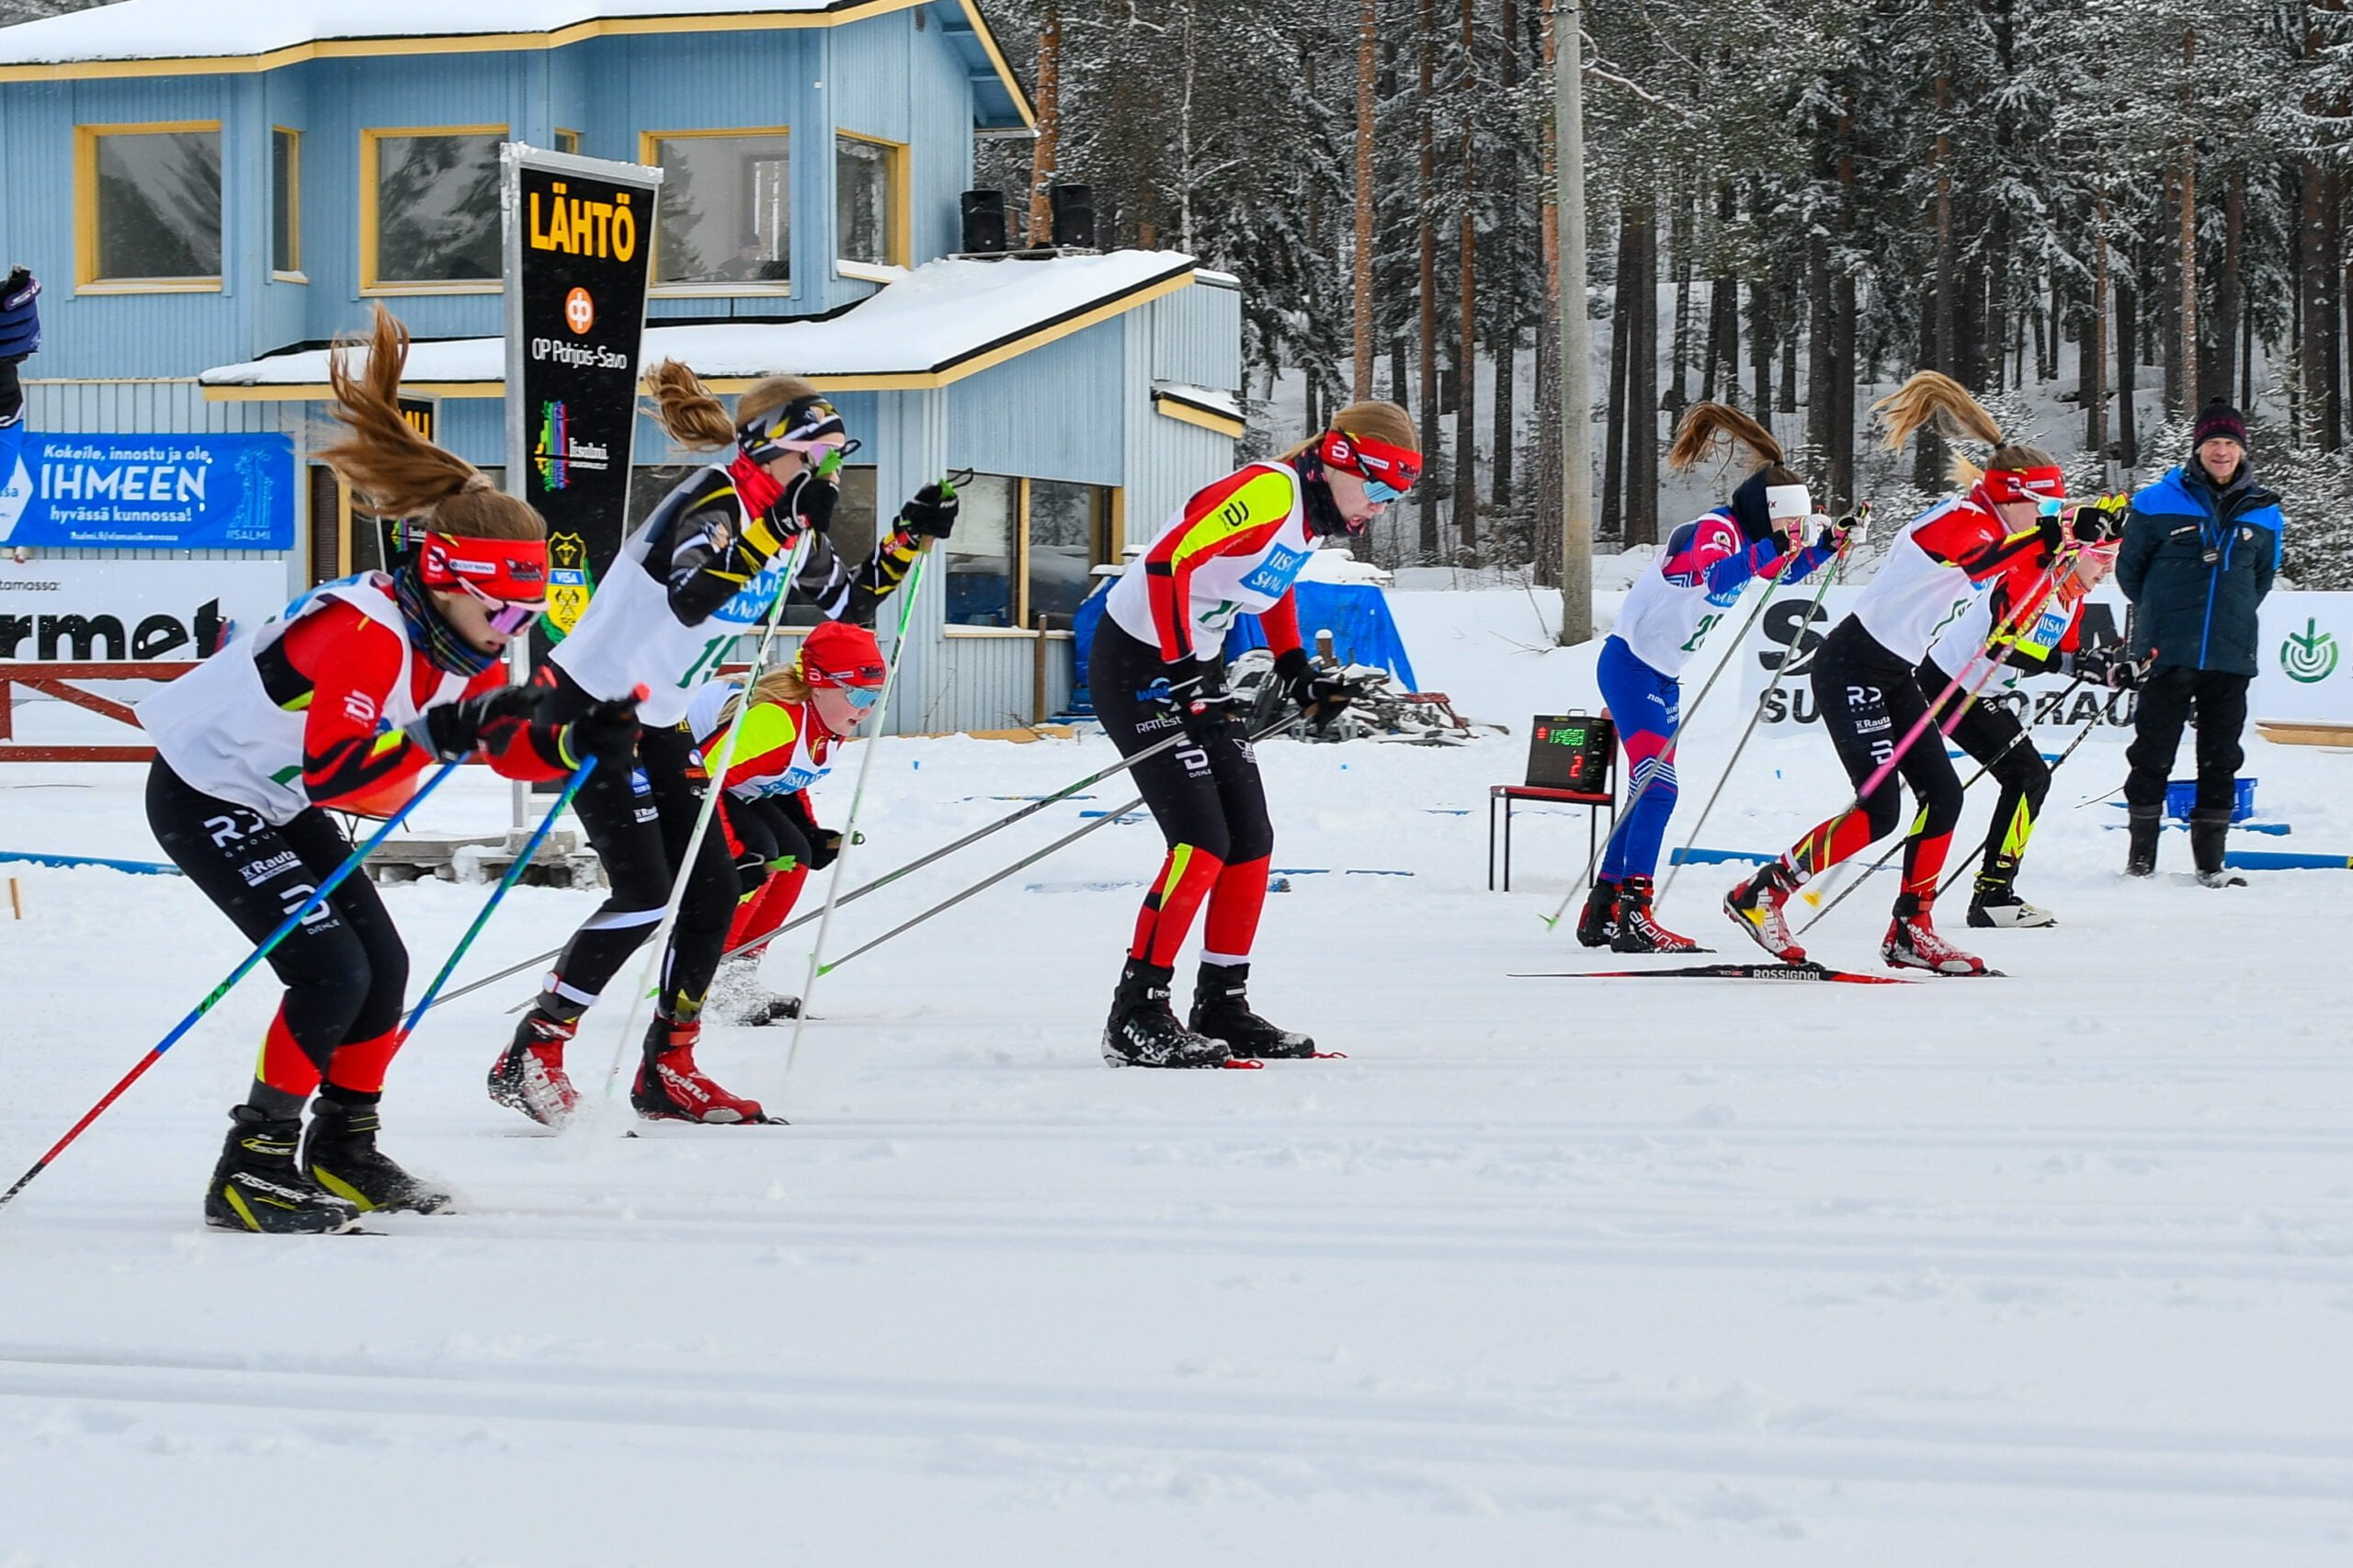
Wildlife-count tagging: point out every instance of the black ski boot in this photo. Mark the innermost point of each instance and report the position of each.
(1638, 930)
(737, 997)
(1144, 1032)
(1994, 903)
(256, 1186)
(1597, 926)
(2141, 852)
(339, 1152)
(2208, 830)
(1222, 1011)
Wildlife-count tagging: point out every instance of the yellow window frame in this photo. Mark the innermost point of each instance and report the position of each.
(291, 198)
(648, 145)
(903, 211)
(85, 210)
(567, 141)
(371, 178)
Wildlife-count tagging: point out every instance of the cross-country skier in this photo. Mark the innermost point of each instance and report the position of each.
(344, 702)
(1991, 732)
(702, 572)
(1867, 694)
(796, 717)
(1158, 669)
(1680, 596)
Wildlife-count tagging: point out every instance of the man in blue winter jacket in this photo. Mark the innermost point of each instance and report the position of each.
(2201, 546)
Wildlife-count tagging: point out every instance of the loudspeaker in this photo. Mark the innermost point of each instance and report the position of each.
(983, 223)
(1074, 216)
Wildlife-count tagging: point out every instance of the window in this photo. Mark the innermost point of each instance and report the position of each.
(285, 202)
(726, 210)
(871, 216)
(150, 206)
(1025, 549)
(567, 141)
(429, 219)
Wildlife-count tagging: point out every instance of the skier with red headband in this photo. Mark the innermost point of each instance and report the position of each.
(1864, 682)
(789, 726)
(345, 702)
(702, 572)
(1158, 669)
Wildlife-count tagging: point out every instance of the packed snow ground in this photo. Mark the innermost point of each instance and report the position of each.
(2054, 1268)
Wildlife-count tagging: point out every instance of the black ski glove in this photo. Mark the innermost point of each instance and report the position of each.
(19, 316)
(459, 729)
(2101, 521)
(932, 511)
(2052, 529)
(2101, 666)
(824, 848)
(813, 502)
(1197, 697)
(1319, 694)
(607, 732)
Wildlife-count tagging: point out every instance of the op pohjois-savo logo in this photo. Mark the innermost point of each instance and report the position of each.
(2309, 657)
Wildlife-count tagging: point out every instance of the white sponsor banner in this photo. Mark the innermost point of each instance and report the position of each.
(54, 611)
(2304, 663)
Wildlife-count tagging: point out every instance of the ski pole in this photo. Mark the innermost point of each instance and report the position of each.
(857, 794)
(717, 774)
(1675, 866)
(1553, 921)
(1895, 848)
(514, 874)
(917, 864)
(318, 898)
(2081, 737)
(1024, 863)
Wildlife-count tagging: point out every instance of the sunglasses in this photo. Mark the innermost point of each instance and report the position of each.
(861, 697)
(506, 616)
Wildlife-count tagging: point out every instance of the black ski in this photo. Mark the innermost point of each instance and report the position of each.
(1782, 972)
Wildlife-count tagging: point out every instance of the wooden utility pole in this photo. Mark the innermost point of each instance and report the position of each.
(1368, 40)
(1576, 333)
(1425, 494)
(1466, 390)
(1049, 125)
(2189, 237)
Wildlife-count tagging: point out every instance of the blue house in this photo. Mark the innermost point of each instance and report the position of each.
(215, 189)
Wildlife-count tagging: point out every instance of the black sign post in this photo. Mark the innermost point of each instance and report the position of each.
(579, 239)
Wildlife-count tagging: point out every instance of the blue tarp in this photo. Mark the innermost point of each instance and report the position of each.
(1356, 614)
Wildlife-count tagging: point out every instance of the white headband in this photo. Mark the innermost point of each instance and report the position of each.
(1788, 502)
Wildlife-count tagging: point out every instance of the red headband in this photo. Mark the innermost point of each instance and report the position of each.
(512, 571)
(1369, 459)
(2024, 484)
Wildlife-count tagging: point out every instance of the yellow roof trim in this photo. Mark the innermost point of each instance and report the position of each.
(894, 381)
(982, 30)
(485, 43)
(1184, 413)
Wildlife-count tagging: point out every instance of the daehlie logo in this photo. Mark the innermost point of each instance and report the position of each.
(2310, 657)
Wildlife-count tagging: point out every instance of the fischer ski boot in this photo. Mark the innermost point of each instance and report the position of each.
(670, 1087)
(2208, 830)
(1912, 943)
(1637, 932)
(738, 997)
(1756, 907)
(339, 1152)
(1597, 926)
(257, 1187)
(1994, 902)
(2141, 851)
(1144, 1032)
(1222, 1011)
(528, 1074)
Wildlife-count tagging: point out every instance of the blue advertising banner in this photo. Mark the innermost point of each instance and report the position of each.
(93, 492)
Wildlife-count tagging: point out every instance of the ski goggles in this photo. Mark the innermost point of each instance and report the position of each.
(2003, 484)
(507, 576)
(1388, 472)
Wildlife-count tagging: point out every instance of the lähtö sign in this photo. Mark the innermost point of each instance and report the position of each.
(102, 492)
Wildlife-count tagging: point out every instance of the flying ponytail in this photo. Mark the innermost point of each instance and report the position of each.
(1706, 424)
(1931, 396)
(695, 418)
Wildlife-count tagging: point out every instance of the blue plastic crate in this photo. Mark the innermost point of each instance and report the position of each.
(2182, 793)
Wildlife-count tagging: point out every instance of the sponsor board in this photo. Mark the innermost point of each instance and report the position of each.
(80, 611)
(132, 491)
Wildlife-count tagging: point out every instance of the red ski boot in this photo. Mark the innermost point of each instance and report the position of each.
(1756, 907)
(1638, 931)
(670, 1087)
(1912, 943)
(528, 1076)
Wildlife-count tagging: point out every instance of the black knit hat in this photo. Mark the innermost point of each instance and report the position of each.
(2218, 419)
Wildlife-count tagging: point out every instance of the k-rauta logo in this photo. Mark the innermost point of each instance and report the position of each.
(2308, 657)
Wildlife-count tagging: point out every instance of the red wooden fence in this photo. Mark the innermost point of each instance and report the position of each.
(55, 680)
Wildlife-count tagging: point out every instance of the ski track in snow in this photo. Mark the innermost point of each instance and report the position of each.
(2052, 1268)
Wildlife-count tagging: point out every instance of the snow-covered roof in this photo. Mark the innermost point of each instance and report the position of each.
(233, 35)
(944, 321)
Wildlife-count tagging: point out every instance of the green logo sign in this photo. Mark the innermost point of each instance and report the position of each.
(2311, 657)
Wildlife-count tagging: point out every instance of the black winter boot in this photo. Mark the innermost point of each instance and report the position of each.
(2141, 852)
(339, 1152)
(1597, 926)
(256, 1186)
(1143, 1030)
(2208, 830)
(1222, 1011)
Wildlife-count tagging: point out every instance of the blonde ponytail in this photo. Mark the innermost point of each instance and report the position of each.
(1931, 395)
